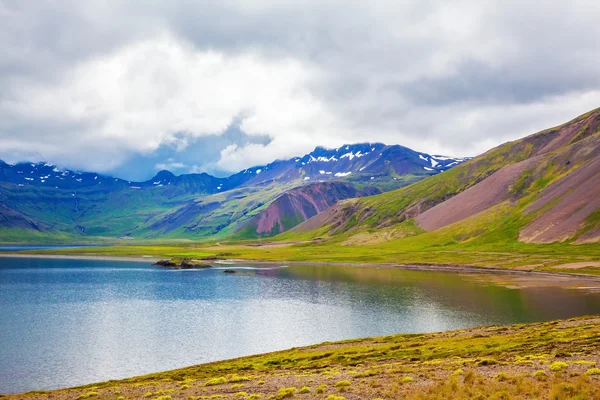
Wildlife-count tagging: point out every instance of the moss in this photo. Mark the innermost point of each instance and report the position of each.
(237, 378)
(558, 366)
(592, 371)
(541, 375)
(304, 389)
(215, 381)
(285, 392)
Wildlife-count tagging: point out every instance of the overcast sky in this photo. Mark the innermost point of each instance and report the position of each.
(130, 87)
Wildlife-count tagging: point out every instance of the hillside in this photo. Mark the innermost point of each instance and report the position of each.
(41, 202)
(544, 188)
(556, 360)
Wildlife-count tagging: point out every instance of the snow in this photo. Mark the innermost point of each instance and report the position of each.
(56, 170)
(19, 172)
(322, 172)
(434, 163)
(78, 180)
(351, 155)
(42, 180)
(372, 177)
(258, 171)
(423, 158)
(361, 169)
(20, 184)
(28, 179)
(442, 158)
(340, 174)
(428, 169)
(322, 159)
(306, 178)
(134, 187)
(372, 148)
(96, 177)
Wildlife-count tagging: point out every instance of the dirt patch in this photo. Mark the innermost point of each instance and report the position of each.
(480, 197)
(579, 196)
(578, 265)
(572, 132)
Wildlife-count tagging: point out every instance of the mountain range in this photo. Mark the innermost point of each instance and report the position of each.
(43, 202)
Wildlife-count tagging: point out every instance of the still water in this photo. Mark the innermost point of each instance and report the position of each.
(71, 322)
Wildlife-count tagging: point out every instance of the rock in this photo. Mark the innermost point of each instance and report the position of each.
(185, 263)
(165, 264)
(229, 271)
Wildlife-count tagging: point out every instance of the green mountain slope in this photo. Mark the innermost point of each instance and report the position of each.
(544, 188)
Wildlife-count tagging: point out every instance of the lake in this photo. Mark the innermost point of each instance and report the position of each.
(72, 322)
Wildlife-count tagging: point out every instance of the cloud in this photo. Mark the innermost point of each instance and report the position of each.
(170, 165)
(101, 84)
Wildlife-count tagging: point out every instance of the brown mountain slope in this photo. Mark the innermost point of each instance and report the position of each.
(549, 180)
(299, 204)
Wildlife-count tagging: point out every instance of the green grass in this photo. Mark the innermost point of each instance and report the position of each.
(524, 361)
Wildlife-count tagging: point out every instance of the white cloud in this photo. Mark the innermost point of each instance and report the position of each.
(114, 79)
(171, 165)
(161, 91)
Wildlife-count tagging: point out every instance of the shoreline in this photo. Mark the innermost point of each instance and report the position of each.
(424, 267)
(410, 354)
(460, 269)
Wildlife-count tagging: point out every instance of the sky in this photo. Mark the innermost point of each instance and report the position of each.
(131, 87)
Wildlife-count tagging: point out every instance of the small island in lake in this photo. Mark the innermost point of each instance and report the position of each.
(182, 263)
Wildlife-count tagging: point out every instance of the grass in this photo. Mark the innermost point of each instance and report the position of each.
(426, 249)
(516, 362)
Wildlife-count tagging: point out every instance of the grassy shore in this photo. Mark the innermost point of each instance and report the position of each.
(553, 360)
(559, 257)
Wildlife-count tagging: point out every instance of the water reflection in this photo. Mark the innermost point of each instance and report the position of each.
(69, 322)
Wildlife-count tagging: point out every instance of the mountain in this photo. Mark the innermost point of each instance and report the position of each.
(299, 204)
(544, 188)
(41, 200)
